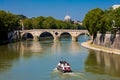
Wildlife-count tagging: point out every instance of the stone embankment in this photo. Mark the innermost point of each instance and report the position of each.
(89, 45)
(108, 40)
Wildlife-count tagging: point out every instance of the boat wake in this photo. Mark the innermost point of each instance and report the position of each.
(71, 75)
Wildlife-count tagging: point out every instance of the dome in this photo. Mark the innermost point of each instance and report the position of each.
(67, 18)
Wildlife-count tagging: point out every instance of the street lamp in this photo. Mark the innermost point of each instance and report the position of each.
(21, 23)
(113, 23)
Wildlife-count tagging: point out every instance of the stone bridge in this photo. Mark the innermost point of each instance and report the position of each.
(56, 33)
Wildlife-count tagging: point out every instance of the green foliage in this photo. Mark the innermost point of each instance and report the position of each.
(102, 21)
(116, 17)
(49, 23)
(38, 22)
(94, 20)
(8, 21)
(2, 20)
(27, 23)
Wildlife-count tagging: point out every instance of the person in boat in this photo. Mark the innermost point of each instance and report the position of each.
(63, 64)
(59, 64)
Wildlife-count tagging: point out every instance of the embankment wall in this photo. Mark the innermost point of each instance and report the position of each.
(108, 40)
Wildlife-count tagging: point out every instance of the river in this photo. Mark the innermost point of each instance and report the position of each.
(37, 60)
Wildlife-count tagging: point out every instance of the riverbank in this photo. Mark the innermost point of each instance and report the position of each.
(99, 48)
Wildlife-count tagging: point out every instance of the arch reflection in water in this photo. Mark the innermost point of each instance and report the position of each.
(74, 47)
(103, 63)
(70, 47)
(56, 47)
(28, 47)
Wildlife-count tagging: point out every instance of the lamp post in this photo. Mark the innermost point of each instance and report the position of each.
(21, 23)
(113, 23)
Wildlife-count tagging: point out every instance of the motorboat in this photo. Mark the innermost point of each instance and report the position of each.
(64, 67)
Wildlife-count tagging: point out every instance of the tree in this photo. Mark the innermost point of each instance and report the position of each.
(94, 21)
(11, 22)
(20, 16)
(49, 23)
(2, 20)
(58, 24)
(105, 22)
(8, 22)
(27, 23)
(116, 17)
(40, 21)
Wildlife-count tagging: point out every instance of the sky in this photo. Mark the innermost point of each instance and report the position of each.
(58, 9)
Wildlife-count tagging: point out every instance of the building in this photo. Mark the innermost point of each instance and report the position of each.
(78, 22)
(67, 18)
(115, 6)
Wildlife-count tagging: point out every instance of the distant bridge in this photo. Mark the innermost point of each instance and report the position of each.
(56, 33)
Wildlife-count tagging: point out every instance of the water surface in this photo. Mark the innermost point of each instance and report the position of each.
(37, 60)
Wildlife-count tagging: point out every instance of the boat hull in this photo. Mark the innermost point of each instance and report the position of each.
(64, 71)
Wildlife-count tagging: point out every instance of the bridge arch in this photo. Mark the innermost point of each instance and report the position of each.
(83, 34)
(65, 35)
(45, 35)
(27, 36)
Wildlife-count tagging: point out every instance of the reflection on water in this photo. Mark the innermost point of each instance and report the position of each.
(103, 63)
(75, 47)
(7, 56)
(56, 47)
(72, 47)
(26, 49)
(38, 59)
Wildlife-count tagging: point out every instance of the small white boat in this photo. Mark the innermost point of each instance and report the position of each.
(64, 67)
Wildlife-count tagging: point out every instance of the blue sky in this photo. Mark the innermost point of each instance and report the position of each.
(55, 8)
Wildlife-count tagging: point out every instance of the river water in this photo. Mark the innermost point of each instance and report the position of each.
(37, 60)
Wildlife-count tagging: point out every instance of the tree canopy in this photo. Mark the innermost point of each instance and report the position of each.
(50, 23)
(116, 17)
(8, 21)
(102, 20)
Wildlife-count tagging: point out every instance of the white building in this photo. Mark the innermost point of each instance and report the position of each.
(67, 18)
(78, 22)
(115, 6)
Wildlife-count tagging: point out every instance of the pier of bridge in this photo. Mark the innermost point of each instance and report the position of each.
(56, 33)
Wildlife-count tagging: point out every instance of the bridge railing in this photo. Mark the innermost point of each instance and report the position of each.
(63, 30)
